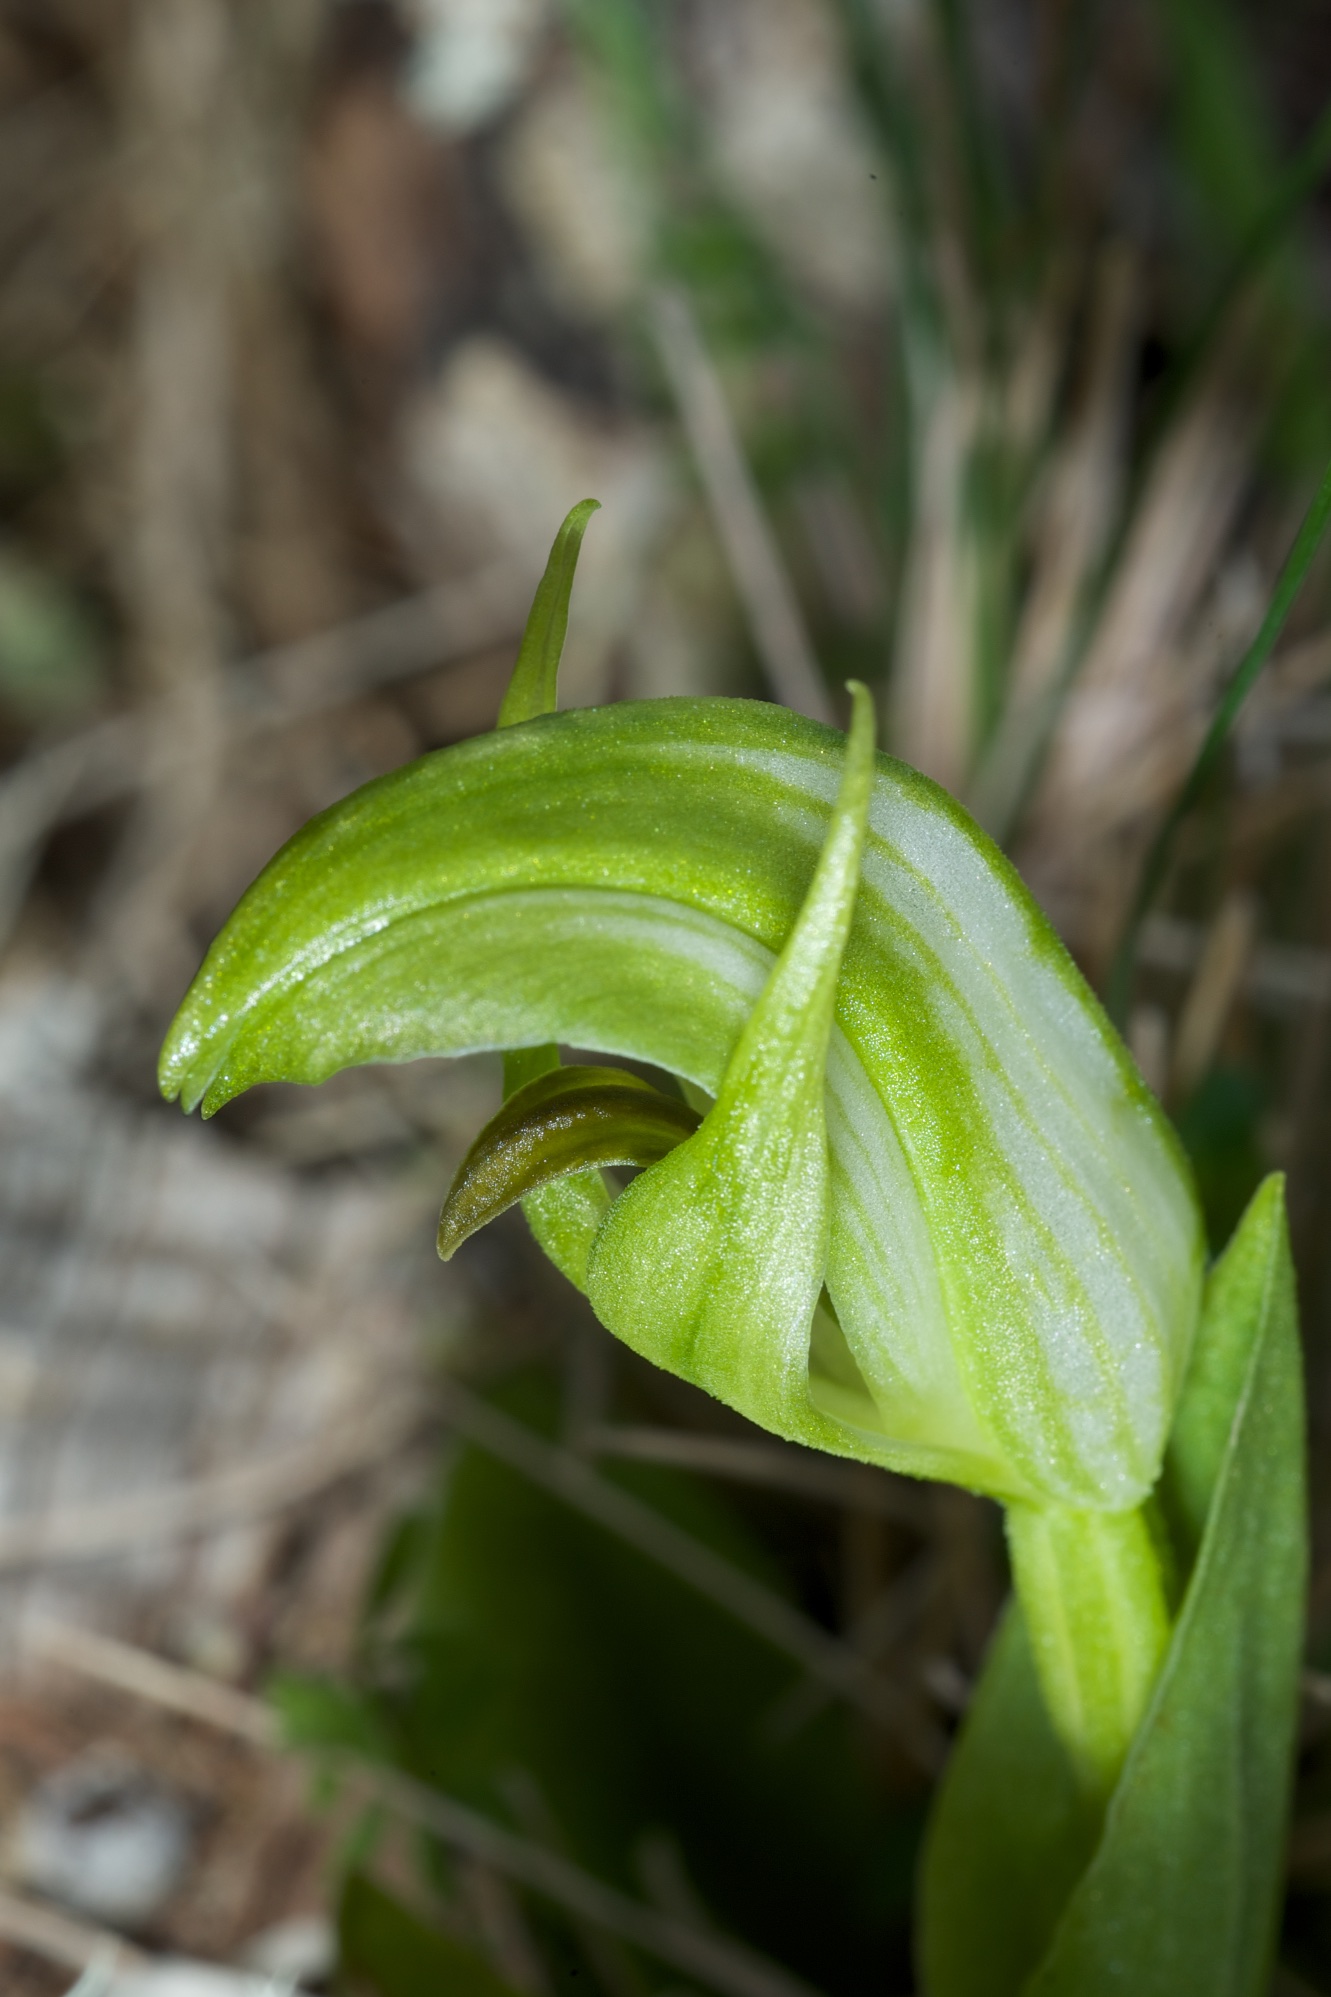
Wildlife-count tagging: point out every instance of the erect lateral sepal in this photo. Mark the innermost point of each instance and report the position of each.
(565, 1213)
(711, 1264)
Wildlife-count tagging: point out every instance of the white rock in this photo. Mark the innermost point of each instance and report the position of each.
(587, 215)
(788, 144)
(472, 58)
(101, 1836)
(182, 1978)
(301, 1950)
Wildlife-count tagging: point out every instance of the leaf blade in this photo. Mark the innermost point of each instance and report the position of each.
(1182, 1893)
(994, 1879)
(1022, 1895)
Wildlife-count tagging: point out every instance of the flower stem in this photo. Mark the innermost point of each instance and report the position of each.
(1092, 1589)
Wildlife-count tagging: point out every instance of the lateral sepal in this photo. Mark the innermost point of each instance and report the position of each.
(711, 1264)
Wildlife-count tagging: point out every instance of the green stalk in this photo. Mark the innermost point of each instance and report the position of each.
(1092, 1591)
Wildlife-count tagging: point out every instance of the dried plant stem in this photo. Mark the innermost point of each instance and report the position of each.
(723, 1965)
(933, 672)
(765, 591)
(1081, 498)
(61, 1939)
(126, 1668)
(1288, 585)
(843, 1670)
(121, 1527)
(777, 1465)
(273, 689)
(177, 101)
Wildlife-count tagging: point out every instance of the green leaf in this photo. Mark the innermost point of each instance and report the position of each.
(1250, 1280)
(1012, 1831)
(712, 1262)
(384, 1945)
(1015, 1249)
(1181, 1892)
(560, 1123)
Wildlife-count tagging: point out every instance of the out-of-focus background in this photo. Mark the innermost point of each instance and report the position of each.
(981, 348)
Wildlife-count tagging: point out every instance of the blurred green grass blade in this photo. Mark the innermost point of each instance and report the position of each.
(534, 687)
(1295, 184)
(1224, 139)
(1183, 1891)
(1288, 585)
(563, 1122)
(386, 1948)
(622, 40)
(1222, 128)
(1260, 241)
(984, 171)
(892, 117)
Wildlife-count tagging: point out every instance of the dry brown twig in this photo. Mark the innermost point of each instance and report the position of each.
(274, 689)
(723, 1965)
(1132, 720)
(769, 602)
(179, 88)
(823, 1657)
(933, 692)
(1081, 497)
(776, 1465)
(59, 1938)
(114, 1527)
(1215, 986)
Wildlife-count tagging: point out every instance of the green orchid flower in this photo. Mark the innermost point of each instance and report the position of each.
(1012, 1248)
(910, 1201)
